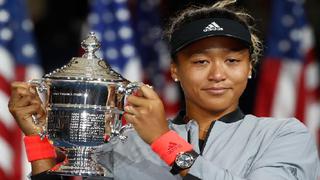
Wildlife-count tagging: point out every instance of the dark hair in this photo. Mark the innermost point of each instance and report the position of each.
(221, 9)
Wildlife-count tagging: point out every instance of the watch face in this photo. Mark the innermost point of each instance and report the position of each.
(184, 160)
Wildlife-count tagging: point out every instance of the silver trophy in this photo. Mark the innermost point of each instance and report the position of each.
(84, 101)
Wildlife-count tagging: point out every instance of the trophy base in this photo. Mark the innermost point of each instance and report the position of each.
(77, 171)
(79, 162)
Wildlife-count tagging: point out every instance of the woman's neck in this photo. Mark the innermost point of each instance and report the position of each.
(205, 117)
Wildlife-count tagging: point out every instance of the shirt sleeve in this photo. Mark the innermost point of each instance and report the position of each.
(291, 155)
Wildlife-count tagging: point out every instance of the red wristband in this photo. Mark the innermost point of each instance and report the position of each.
(169, 145)
(38, 149)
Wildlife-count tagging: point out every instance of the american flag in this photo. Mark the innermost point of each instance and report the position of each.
(111, 21)
(155, 54)
(19, 62)
(289, 84)
(133, 46)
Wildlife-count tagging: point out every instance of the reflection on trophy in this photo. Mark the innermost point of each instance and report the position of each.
(84, 101)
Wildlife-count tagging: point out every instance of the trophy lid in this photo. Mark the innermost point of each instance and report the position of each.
(88, 67)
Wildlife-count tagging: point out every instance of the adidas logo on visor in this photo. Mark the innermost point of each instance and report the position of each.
(213, 27)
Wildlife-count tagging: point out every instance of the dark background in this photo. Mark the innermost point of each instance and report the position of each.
(59, 24)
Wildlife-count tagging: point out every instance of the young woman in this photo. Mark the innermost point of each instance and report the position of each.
(214, 50)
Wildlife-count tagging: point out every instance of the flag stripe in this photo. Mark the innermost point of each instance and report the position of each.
(7, 64)
(17, 149)
(7, 160)
(5, 115)
(4, 86)
(266, 91)
(4, 132)
(30, 72)
(284, 100)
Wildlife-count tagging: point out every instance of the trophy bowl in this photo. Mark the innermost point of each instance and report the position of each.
(84, 102)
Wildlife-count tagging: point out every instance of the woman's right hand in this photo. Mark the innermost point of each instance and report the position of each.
(23, 103)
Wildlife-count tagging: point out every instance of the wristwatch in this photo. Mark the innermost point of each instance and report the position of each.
(184, 160)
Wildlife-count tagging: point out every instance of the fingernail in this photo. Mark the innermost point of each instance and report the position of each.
(149, 86)
(126, 108)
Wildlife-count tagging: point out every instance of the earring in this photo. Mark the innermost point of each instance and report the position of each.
(175, 79)
(249, 77)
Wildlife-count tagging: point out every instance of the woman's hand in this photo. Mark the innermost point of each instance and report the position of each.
(146, 113)
(25, 102)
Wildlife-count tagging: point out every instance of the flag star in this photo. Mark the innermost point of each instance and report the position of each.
(2, 2)
(94, 18)
(284, 45)
(4, 16)
(112, 53)
(287, 20)
(6, 34)
(28, 50)
(306, 39)
(127, 50)
(295, 35)
(109, 35)
(125, 32)
(27, 25)
(122, 14)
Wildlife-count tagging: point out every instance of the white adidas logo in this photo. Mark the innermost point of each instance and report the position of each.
(213, 27)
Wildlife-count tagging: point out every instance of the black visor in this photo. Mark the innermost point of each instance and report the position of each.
(209, 27)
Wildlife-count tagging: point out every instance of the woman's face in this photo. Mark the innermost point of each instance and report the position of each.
(213, 73)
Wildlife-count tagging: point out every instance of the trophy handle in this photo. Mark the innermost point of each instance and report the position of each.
(42, 91)
(127, 90)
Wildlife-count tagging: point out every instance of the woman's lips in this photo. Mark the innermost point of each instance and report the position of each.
(216, 90)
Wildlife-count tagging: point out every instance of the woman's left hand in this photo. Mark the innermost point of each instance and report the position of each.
(146, 113)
